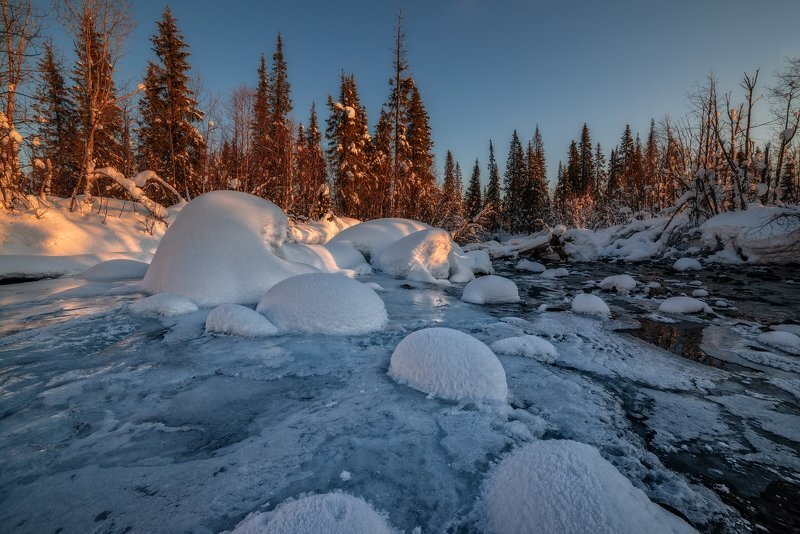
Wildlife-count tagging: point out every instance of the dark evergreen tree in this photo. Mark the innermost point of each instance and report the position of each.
(397, 107)
(381, 164)
(586, 173)
(473, 202)
(418, 188)
(514, 182)
(537, 175)
(279, 163)
(260, 131)
(492, 196)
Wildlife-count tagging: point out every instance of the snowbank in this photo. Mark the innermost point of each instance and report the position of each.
(567, 487)
(322, 303)
(529, 346)
(687, 264)
(371, 236)
(33, 266)
(220, 249)
(330, 513)
(163, 304)
(591, 304)
(490, 289)
(786, 341)
(321, 231)
(532, 266)
(328, 258)
(115, 270)
(621, 283)
(683, 305)
(449, 364)
(422, 256)
(237, 320)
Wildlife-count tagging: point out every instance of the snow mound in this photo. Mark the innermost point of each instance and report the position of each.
(529, 346)
(621, 283)
(786, 341)
(687, 264)
(220, 249)
(328, 258)
(115, 270)
(532, 266)
(683, 305)
(163, 304)
(490, 289)
(793, 328)
(449, 364)
(567, 487)
(481, 261)
(331, 513)
(554, 273)
(316, 232)
(422, 256)
(236, 320)
(371, 236)
(323, 303)
(588, 303)
(699, 293)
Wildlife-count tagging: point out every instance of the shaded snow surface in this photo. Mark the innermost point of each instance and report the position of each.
(490, 289)
(683, 305)
(237, 320)
(111, 270)
(591, 304)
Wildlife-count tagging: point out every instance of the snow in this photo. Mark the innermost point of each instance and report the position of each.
(330, 513)
(786, 341)
(422, 256)
(328, 258)
(449, 364)
(683, 305)
(532, 266)
(687, 264)
(322, 303)
(554, 273)
(115, 270)
(490, 289)
(321, 231)
(221, 249)
(699, 293)
(621, 283)
(163, 304)
(481, 261)
(529, 346)
(237, 320)
(371, 236)
(568, 487)
(591, 304)
(793, 328)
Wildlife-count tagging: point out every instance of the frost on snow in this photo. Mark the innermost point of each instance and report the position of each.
(687, 264)
(237, 320)
(591, 304)
(322, 303)
(529, 346)
(330, 513)
(621, 283)
(449, 364)
(163, 304)
(221, 249)
(490, 289)
(683, 305)
(783, 340)
(115, 270)
(532, 266)
(567, 487)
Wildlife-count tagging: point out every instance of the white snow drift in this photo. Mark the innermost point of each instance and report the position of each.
(554, 273)
(591, 304)
(490, 289)
(783, 340)
(220, 249)
(331, 513)
(687, 264)
(621, 283)
(449, 364)
(323, 303)
(111, 270)
(371, 236)
(328, 258)
(422, 256)
(529, 346)
(683, 305)
(236, 320)
(163, 304)
(531, 266)
(567, 487)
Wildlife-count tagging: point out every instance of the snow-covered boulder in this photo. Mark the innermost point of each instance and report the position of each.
(163, 304)
(422, 256)
(793, 328)
(568, 487)
(371, 236)
(328, 258)
(699, 293)
(683, 305)
(591, 304)
(221, 249)
(529, 346)
(621, 283)
(490, 289)
(786, 341)
(687, 264)
(317, 232)
(111, 270)
(481, 261)
(323, 303)
(554, 273)
(236, 320)
(331, 513)
(461, 266)
(449, 364)
(531, 266)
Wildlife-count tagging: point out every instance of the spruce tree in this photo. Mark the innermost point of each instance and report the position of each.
(279, 164)
(473, 203)
(400, 85)
(514, 181)
(381, 165)
(419, 186)
(260, 131)
(537, 173)
(586, 163)
(492, 196)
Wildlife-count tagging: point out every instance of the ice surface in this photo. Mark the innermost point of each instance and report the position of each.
(529, 346)
(237, 320)
(687, 264)
(163, 304)
(449, 364)
(621, 283)
(323, 303)
(683, 305)
(591, 304)
(490, 289)
(116, 270)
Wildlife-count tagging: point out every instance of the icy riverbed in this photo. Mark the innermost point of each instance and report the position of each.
(113, 422)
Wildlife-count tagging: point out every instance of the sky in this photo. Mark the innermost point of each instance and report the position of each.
(485, 68)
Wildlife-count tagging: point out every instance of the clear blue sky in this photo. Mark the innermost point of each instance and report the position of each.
(487, 67)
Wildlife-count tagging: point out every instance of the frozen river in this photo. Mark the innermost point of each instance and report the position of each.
(110, 422)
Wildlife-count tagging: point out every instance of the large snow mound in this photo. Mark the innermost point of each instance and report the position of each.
(490, 289)
(687, 264)
(449, 364)
(683, 305)
(568, 487)
(783, 340)
(323, 303)
(330, 513)
(422, 256)
(621, 283)
(531, 266)
(591, 304)
(371, 236)
(115, 270)
(237, 320)
(220, 249)
(328, 258)
(529, 346)
(316, 232)
(163, 304)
